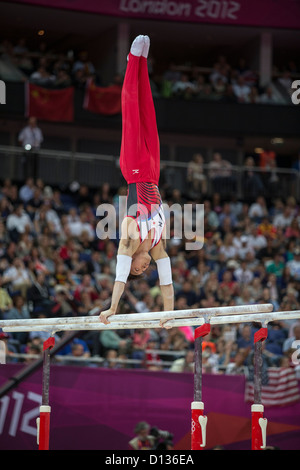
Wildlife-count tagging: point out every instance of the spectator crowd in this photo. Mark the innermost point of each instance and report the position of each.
(220, 81)
(223, 82)
(52, 264)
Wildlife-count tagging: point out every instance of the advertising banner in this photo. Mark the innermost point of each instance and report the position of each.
(269, 13)
(97, 409)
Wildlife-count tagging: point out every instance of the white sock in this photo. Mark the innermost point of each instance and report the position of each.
(137, 46)
(146, 46)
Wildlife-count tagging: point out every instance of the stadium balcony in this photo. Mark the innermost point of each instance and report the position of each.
(180, 116)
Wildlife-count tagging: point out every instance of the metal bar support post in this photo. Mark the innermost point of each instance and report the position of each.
(259, 423)
(199, 421)
(43, 422)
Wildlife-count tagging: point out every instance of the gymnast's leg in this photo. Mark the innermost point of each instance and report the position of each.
(140, 154)
(151, 170)
(131, 145)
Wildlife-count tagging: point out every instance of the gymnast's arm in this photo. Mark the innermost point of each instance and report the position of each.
(128, 245)
(162, 260)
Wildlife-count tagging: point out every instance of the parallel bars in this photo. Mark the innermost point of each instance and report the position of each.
(203, 318)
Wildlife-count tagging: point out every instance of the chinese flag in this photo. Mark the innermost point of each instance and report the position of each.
(50, 105)
(102, 100)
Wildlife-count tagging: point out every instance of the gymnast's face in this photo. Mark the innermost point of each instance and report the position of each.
(140, 263)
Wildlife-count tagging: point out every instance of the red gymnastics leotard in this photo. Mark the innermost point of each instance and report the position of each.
(140, 152)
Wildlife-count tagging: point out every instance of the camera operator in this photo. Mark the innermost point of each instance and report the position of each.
(163, 439)
(154, 438)
(143, 439)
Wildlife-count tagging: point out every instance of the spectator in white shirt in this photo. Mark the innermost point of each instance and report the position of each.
(27, 190)
(218, 167)
(79, 225)
(183, 86)
(268, 97)
(290, 342)
(83, 63)
(17, 275)
(244, 248)
(241, 90)
(19, 221)
(258, 209)
(228, 249)
(255, 240)
(46, 215)
(243, 274)
(42, 77)
(284, 219)
(220, 72)
(31, 136)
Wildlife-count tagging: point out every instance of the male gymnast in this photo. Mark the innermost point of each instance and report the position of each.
(143, 227)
